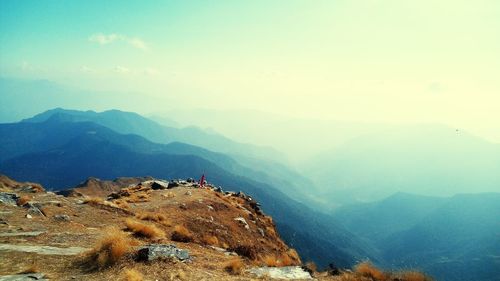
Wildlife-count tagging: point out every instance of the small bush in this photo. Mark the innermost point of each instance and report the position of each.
(366, 269)
(93, 201)
(286, 260)
(23, 200)
(111, 248)
(210, 240)
(181, 234)
(234, 266)
(132, 275)
(156, 217)
(271, 261)
(143, 230)
(245, 251)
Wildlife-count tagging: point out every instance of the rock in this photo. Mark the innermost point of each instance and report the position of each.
(28, 216)
(188, 193)
(219, 189)
(210, 208)
(190, 180)
(29, 233)
(43, 250)
(8, 198)
(34, 209)
(31, 188)
(156, 185)
(286, 272)
(243, 222)
(23, 277)
(183, 206)
(261, 231)
(172, 184)
(62, 218)
(162, 251)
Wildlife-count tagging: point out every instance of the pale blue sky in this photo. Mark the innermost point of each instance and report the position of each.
(384, 61)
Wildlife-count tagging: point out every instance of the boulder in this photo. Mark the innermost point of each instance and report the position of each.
(242, 222)
(286, 272)
(172, 184)
(162, 251)
(8, 198)
(62, 218)
(156, 185)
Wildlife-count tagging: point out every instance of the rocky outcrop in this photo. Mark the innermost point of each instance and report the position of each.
(162, 251)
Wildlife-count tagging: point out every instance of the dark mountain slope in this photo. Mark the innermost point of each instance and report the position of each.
(98, 151)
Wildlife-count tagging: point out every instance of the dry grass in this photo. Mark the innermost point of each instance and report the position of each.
(271, 261)
(292, 253)
(122, 204)
(23, 200)
(110, 249)
(182, 234)
(156, 217)
(93, 201)
(210, 240)
(132, 275)
(234, 266)
(143, 230)
(169, 194)
(366, 269)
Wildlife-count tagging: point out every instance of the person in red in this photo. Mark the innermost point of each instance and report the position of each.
(202, 180)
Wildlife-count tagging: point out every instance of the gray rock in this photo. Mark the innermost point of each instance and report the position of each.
(242, 222)
(43, 250)
(34, 209)
(62, 218)
(28, 233)
(156, 185)
(286, 272)
(162, 251)
(172, 184)
(23, 277)
(8, 198)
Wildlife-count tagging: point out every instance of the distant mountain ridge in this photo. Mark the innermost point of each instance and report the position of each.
(61, 153)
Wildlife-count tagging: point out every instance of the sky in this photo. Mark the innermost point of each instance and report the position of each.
(366, 61)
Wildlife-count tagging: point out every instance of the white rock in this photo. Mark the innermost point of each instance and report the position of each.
(29, 216)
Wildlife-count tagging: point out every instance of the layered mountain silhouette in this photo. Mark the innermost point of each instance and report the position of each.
(62, 150)
(455, 238)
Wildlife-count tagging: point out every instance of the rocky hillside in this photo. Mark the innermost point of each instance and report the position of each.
(144, 229)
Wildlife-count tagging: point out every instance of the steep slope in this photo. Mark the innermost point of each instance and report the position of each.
(99, 152)
(426, 159)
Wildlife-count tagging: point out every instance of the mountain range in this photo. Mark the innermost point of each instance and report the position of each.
(61, 148)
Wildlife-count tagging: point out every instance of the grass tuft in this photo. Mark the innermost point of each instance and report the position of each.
(132, 275)
(366, 269)
(143, 230)
(182, 234)
(109, 250)
(234, 266)
(23, 200)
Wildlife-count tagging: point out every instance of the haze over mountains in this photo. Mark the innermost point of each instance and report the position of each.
(453, 238)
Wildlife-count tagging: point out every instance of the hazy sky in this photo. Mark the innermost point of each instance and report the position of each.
(376, 61)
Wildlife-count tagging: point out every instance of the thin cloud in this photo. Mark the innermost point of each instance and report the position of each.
(121, 70)
(104, 39)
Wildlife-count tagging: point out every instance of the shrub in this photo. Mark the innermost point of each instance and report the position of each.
(143, 230)
(271, 261)
(181, 234)
(245, 251)
(210, 240)
(234, 266)
(111, 248)
(93, 201)
(156, 217)
(366, 269)
(132, 275)
(23, 200)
